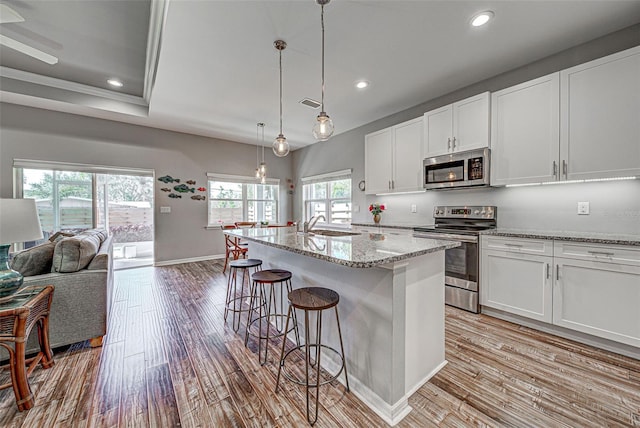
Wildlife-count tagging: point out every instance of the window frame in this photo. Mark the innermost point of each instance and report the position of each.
(326, 179)
(244, 181)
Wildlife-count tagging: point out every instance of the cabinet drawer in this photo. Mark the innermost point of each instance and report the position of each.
(518, 245)
(602, 253)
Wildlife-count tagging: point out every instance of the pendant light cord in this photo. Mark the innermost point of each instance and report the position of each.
(322, 25)
(262, 142)
(280, 51)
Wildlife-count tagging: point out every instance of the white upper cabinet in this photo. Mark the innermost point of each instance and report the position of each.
(600, 117)
(525, 132)
(378, 149)
(463, 125)
(393, 158)
(580, 123)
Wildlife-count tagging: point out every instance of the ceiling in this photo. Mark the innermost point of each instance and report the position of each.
(210, 68)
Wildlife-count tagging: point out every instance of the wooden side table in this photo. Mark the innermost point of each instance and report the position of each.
(28, 307)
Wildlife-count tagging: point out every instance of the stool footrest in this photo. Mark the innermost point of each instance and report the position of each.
(293, 379)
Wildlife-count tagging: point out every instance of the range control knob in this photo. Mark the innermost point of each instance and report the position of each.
(476, 212)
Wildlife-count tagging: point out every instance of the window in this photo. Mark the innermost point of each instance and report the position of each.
(328, 195)
(235, 198)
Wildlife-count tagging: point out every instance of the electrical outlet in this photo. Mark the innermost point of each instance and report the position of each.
(165, 210)
(414, 208)
(583, 208)
(356, 208)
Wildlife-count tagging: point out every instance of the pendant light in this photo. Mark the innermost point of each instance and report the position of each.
(323, 129)
(261, 170)
(280, 145)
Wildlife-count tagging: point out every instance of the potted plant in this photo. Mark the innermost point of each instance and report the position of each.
(376, 210)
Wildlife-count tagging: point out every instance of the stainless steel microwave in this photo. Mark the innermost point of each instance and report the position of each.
(463, 169)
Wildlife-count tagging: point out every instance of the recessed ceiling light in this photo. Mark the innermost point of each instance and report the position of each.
(481, 18)
(361, 84)
(115, 82)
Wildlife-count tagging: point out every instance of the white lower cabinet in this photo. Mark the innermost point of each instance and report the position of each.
(593, 289)
(598, 297)
(516, 281)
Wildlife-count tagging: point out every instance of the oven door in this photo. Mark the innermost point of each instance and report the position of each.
(461, 266)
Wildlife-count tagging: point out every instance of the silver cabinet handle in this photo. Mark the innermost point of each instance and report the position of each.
(513, 245)
(564, 167)
(389, 185)
(557, 272)
(454, 143)
(548, 270)
(555, 169)
(449, 143)
(393, 184)
(601, 253)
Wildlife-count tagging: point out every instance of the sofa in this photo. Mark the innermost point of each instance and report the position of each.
(80, 267)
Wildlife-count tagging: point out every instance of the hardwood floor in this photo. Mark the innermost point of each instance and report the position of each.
(170, 360)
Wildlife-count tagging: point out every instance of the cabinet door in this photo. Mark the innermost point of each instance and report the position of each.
(438, 131)
(517, 283)
(407, 156)
(471, 123)
(525, 132)
(377, 166)
(598, 298)
(600, 105)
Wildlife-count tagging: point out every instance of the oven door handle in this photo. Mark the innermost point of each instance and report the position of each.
(446, 237)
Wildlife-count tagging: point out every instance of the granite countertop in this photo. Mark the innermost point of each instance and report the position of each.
(587, 237)
(389, 226)
(363, 250)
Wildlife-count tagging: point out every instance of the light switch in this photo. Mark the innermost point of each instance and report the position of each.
(414, 208)
(583, 208)
(165, 210)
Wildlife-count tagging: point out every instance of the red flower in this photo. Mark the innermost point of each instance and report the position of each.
(382, 207)
(370, 207)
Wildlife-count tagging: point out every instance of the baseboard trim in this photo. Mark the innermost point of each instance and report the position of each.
(426, 379)
(189, 260)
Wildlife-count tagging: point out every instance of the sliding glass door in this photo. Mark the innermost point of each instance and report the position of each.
(71, 201)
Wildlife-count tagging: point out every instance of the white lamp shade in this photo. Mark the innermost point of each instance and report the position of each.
(19, 221)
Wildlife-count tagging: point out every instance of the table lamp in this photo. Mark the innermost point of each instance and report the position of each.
(19, 222)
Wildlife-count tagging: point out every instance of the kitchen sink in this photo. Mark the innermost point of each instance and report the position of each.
(327, 232)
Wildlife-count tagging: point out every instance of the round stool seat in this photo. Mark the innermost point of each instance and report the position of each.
(245, 263)
(313, 298)
(271, 275)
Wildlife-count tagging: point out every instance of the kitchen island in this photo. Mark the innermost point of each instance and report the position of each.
(391, 305)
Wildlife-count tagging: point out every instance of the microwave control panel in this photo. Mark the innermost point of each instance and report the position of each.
(476, 168)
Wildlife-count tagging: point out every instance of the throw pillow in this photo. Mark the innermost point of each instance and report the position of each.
(75, 253)
(35, 260)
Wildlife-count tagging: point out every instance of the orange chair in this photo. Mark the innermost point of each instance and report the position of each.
(233, 248)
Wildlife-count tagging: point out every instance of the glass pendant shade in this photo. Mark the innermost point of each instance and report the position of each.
(323, 129)
(263, 169)
(281, 146)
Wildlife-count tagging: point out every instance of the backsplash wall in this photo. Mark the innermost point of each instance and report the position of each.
(614, 206)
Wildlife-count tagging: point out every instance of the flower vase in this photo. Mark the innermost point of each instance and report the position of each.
(376, 219)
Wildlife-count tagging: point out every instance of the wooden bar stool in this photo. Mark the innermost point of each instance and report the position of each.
(313, 299)
(233, 303)
(266, 304)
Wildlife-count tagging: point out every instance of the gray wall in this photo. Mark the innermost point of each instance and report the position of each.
(30, 133)
(548, 207)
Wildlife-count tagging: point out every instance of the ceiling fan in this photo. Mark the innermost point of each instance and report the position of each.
(8, 16)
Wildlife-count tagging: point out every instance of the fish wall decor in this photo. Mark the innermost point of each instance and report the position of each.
(191, 182)
(165, 189)
(183, 188)
(173, 195)
(202, 189)
(169, 179)
(198, 197)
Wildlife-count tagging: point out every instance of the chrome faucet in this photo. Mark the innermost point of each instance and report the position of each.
(308, 225)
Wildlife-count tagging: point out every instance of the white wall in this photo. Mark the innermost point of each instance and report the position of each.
(615, 206)
(30, 133)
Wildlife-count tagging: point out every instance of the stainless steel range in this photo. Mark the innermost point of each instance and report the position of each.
(464, 224)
